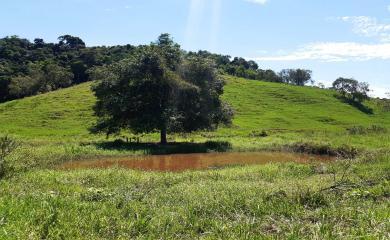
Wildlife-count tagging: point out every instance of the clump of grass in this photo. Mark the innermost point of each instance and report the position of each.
(344, 151)
(261, 133)
(7, 146)
(311, 199)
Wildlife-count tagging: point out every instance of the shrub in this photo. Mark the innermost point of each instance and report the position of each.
(344, 151)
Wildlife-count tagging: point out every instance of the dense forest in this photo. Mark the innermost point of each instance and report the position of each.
(29, 68)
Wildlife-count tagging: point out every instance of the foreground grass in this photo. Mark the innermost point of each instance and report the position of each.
(252, 202)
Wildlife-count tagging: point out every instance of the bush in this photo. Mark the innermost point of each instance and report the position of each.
(7, 146)
(344, 151)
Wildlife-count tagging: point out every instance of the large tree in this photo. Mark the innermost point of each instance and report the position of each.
(157, 89)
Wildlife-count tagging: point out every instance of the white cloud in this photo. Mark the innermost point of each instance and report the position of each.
(369, 27)
(379, 91)
(262, 2)
(334, 52)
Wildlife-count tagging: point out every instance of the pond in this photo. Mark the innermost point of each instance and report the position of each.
(198, 161)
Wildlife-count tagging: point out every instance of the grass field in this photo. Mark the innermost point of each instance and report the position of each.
(347, 199)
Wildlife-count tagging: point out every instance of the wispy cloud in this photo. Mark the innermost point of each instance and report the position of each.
(334, 52)
(369, 27)
(262, 2)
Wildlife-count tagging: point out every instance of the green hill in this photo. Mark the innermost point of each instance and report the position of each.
(258, 106)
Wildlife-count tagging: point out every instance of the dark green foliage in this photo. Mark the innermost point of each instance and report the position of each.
(352, 89)
(28, 68)
(299, 77)
(41, 78)
(239, 67)
(155, 89)
(261, 133)
(17, 56)
(70, 42)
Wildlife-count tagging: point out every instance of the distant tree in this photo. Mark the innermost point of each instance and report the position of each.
(269, 76)
(352, 89)
(299, 77)
(253, 65)
(39, 43)
(153, 90)
(70, 42)
(22, 86)
(321, 85)
(55, 77)
(41, 78)
(238, 61)
(79, 70)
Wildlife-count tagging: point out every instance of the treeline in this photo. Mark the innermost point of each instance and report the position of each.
(29, 68)
(240, 67)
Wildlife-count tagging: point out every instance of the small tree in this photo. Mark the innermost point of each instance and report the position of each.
(352, 89)
(7, 146)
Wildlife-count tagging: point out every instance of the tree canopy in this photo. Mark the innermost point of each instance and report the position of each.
(159, 89)
(27, 68)
(352, 89)
(299, 77)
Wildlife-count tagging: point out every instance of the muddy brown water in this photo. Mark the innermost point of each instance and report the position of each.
(183, 162)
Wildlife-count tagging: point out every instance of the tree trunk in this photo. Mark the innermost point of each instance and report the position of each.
(163, 138)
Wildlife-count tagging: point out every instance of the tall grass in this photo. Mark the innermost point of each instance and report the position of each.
(253, 202)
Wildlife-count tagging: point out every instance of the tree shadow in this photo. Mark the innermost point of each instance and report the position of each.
(358, 105)
(171, 148)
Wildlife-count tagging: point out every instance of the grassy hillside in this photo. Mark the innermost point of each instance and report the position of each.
(66, 112)
(258, 105)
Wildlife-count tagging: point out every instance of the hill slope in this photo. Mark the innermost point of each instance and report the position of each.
(258, 106)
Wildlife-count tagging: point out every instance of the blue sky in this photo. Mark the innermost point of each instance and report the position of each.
(349, 38)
